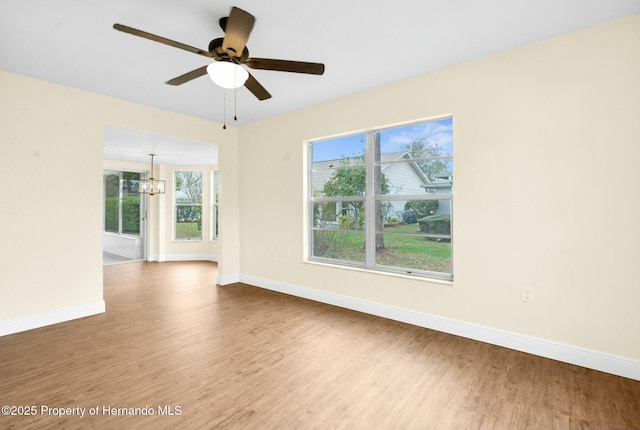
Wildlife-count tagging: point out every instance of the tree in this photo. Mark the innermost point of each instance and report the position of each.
(349, 181)
(352, 182)
(419, 148)
(189, 209)
(191, 183)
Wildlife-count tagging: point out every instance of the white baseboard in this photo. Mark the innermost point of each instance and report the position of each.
(596, 360)
(182, 257)
(228, 279)
(30, 322)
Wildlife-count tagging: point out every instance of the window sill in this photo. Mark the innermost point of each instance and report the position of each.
(414, 277)
(127, 236)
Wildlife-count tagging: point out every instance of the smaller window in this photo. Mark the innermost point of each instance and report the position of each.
(214, 205)
(188, 205)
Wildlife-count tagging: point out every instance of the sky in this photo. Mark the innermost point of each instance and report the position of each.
(439, 133)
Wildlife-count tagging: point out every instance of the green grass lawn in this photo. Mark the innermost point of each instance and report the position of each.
(407, 250)
(188, 230)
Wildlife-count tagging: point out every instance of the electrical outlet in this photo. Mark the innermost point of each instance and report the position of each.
(527, 294)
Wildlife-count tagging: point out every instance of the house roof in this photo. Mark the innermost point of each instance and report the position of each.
(323, 170)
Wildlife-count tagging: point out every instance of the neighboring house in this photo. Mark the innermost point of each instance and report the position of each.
(443, 184)
(402, 179)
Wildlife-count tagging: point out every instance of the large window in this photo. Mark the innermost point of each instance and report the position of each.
(122, 203)
(188, 205)
(382, 199)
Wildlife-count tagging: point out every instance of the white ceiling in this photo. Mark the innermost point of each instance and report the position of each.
(121, 144)
(363, 43)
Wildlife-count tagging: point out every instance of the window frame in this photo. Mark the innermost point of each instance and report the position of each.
(190, 204)
(215, 234)
(370, 200)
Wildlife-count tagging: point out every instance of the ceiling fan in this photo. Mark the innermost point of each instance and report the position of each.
(230, 53)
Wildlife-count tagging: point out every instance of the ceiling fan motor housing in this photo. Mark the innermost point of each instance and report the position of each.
(215, 47)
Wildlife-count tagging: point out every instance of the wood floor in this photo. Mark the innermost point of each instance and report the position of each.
(201, 356)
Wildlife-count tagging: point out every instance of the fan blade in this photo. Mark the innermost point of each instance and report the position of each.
(258, 90)
(201, 71)
(286, 66)
(238, 27)
(161, 39)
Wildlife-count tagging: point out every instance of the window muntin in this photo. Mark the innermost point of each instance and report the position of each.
(188, 205)
(404, 177)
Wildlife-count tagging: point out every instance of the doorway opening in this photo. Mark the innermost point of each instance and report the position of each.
(125, 162)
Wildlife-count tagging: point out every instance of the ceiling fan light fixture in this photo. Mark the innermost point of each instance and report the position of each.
(227, 74)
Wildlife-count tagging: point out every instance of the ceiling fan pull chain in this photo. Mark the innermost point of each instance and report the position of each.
(224, 110)
(235, 104)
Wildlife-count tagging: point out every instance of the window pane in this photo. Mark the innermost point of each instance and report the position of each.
(440, 222)
(415, 253)
(130, 203)
(405, 244)
(188, 222)
(415, 178)
(427, 139)
(333, 151)
(339, 245)
(406, 176)
(188, 200)
(411, 212)
(112, 202)
(344, 181)
(345, 215)
(337, 167)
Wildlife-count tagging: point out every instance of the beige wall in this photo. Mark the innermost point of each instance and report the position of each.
(51, 167)
(547, 186)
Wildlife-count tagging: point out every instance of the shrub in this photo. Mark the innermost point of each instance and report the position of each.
(436, 224)
(111, 214)
(392, 220)
(422, 208)
(131, 215)
(329, 244)
(345, 221)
